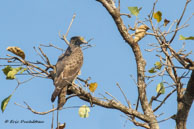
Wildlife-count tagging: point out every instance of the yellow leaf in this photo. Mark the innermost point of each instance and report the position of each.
(158, 16)
(84, 111)
(158, 65)
(5, 102)
(11, 74)
(17, 51)
(93, 86)
(160, 88)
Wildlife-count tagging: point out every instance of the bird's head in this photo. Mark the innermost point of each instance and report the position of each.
(77, 40)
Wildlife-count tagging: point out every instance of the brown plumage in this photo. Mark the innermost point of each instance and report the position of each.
(67, 69)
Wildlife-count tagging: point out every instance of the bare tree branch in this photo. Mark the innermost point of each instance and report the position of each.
(177, 25)
(164, 100)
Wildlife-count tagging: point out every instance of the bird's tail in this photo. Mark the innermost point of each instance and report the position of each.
(62, 98)
(55, 94)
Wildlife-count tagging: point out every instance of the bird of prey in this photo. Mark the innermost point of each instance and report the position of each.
(67, 68)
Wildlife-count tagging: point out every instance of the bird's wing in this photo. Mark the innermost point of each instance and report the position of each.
(69, 65)
(67, 68)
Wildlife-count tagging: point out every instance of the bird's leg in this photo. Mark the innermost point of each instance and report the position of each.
(89, 96)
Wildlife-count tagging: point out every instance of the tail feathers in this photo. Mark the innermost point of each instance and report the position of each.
(55, 94)
(62, 98)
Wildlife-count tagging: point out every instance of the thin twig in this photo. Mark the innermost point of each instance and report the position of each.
(64, 37)
(51, 45)
(164, 100)
(35, 112)
(170, 27)
(19, 83)
(45, 56)
(46, 112)
(88, 46)
(145, 125)
(183, 26)
(177, 25)
(85, 81)
(157, 74)
(125, 14)
(12, 65)
(57, 119)
(70, 25)
(105, 98)
(155, 97)
(171, 117)
(129, 105)
(28, 64)
(152, 11)
(188, 19)
(138, 99)
(39, 54)
(52, 118)
(111, 96)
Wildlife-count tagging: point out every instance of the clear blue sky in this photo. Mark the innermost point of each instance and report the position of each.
(29, 23)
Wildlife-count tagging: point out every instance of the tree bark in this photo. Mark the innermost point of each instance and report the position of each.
(184, 104)
(140, 62)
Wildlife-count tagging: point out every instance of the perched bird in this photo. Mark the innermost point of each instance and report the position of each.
(67, 68)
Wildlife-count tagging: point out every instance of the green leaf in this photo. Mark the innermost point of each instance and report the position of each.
(158, 65)
(158, 16)
(181, 37)
(7, 69)
(134, 10)
(22, 70)
(5, 102)
(152, 70)
(18, 69)
(190, 38)
(84, 111)
(160, 88)
(11, 72)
